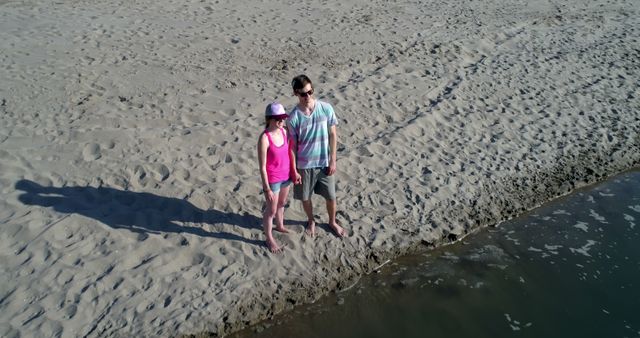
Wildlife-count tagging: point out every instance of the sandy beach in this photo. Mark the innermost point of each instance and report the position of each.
(131, 202)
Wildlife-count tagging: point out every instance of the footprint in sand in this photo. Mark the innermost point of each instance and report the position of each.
(139, 172)
(160, 172)
(91, 152)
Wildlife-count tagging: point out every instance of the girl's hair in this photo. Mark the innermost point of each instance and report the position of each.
(266, 121)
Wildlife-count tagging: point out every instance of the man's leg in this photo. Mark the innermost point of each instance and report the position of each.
(331, 210)
(311, 224)
(303, 193)
(327, 188)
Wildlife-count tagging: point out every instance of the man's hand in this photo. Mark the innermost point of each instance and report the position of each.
(332, 168)
(297, 179)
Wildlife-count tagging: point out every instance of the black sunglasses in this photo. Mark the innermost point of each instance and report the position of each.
(305, 94)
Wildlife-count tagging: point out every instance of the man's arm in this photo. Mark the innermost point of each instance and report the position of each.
(333, 146)
(293, 150)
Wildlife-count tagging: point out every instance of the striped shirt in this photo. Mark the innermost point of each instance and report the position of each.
(311, 134)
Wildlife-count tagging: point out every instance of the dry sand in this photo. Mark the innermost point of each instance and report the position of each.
(130, 189)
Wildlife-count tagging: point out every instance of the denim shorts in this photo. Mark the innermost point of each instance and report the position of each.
(275, 187)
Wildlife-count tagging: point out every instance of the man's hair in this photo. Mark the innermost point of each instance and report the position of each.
(300, 81)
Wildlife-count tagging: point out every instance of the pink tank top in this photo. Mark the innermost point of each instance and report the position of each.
(278, 159)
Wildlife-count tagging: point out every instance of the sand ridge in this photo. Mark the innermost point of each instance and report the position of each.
(130, 187)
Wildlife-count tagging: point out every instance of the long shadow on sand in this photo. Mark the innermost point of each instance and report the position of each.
(136, 211)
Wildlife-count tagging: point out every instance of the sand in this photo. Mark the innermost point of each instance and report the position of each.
(130, 187)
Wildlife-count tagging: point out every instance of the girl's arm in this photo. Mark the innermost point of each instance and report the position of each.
(263, 144)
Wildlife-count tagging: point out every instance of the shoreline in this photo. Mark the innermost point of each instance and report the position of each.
(131, 202)
(375, 259)
(442, 281)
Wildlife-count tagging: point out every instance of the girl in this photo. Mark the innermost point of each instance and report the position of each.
(275, 168)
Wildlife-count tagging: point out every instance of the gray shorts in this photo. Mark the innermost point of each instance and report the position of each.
(315, 181)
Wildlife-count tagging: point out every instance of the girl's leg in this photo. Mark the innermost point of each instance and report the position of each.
(267, 223)
(282, 201)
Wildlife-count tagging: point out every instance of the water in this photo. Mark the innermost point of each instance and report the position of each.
(568, 269)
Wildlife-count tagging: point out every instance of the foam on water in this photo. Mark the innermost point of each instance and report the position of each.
(582, 226)
(631, 220)
(584, 250)
(597, 217)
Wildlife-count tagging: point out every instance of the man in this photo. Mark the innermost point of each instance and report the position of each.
(314, 140)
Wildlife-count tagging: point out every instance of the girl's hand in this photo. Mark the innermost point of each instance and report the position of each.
(269, 195)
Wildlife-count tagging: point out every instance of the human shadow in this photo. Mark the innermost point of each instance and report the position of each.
(139, 212)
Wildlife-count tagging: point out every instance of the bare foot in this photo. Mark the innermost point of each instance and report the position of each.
(338, 230)
(310, 229)
(282, 229)
(273, 246)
